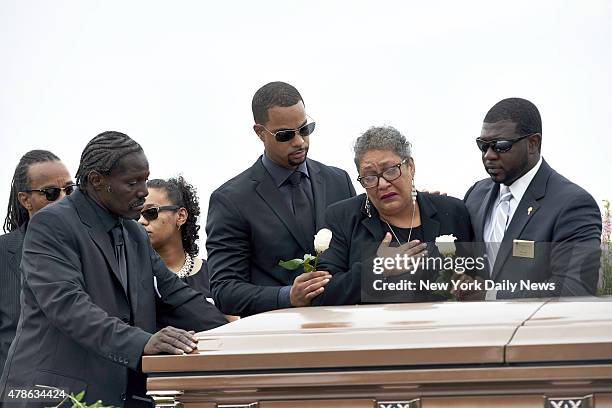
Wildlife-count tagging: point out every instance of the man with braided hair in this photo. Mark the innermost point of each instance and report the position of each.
(40, 179)
(94, 290)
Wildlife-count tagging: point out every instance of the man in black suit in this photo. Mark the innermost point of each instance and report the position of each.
(537, 225)
(40, 178)
(94, 290)
(271, 212)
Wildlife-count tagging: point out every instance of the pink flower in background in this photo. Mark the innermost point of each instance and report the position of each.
(606, 223)
(604, 286)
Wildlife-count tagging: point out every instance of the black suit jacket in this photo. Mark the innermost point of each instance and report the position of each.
(250, 229)
(10, 288)
(562, 220)
(79, 330)
(356, 237)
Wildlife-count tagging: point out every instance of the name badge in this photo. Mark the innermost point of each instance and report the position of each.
(523, 249)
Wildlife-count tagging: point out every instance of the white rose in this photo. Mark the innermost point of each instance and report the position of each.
(446, 245)
(322, 240)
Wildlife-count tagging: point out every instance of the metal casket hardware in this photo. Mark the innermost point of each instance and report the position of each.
(566, 402)
(414, 403)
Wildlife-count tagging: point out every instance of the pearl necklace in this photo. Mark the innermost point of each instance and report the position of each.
(187, 267)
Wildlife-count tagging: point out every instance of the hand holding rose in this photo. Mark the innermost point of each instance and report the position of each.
(307, 286)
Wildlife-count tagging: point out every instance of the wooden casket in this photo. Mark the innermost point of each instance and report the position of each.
(447, 354)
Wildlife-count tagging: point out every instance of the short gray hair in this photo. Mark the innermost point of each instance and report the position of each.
(382, 138)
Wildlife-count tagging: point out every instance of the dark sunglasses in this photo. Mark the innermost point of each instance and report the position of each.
(498, 146)
(53, 193)
(152, 213)
(288, 134)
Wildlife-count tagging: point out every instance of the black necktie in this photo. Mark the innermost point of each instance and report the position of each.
(117, 232)
(302, 208)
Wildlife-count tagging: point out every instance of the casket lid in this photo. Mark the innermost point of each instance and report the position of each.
(402, 335)
(565, 331)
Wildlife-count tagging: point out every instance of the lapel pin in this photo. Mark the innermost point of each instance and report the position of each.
(529, 210)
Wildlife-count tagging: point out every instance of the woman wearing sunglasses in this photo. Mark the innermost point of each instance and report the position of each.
(170, 218)
(39, 180)
(391, 218)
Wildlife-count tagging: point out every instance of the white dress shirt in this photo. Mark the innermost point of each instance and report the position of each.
(518, 189)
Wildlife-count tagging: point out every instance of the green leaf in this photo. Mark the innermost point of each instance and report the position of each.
(79, 396)
(292, 264)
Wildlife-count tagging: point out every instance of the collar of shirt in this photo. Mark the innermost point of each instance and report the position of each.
(519, 187)
(108, 220)
(279, 173)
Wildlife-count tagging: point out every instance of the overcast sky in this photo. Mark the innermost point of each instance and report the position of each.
(179, 76)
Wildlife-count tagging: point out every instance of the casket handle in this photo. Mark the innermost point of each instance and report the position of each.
(165, 399)
(567, 402)
(413, 403)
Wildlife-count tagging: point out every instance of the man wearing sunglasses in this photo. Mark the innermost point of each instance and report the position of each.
(95, 291)
(40, 179)
(536, 226)
(271, 212)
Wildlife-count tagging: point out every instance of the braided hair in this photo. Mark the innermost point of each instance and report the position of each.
(102, 153)
(183, 194)
(16, 214)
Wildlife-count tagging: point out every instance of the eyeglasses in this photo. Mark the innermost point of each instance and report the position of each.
(389, 174)
(498, 146)
(53, 193)
(288, 134)
(152, 213)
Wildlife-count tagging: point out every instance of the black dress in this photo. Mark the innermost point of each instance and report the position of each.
(415, 295)
(403, 233)
(200, 281)
(356, 235)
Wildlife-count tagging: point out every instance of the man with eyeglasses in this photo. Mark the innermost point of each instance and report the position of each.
(536, 226)
(40, 179)
(271, 212)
